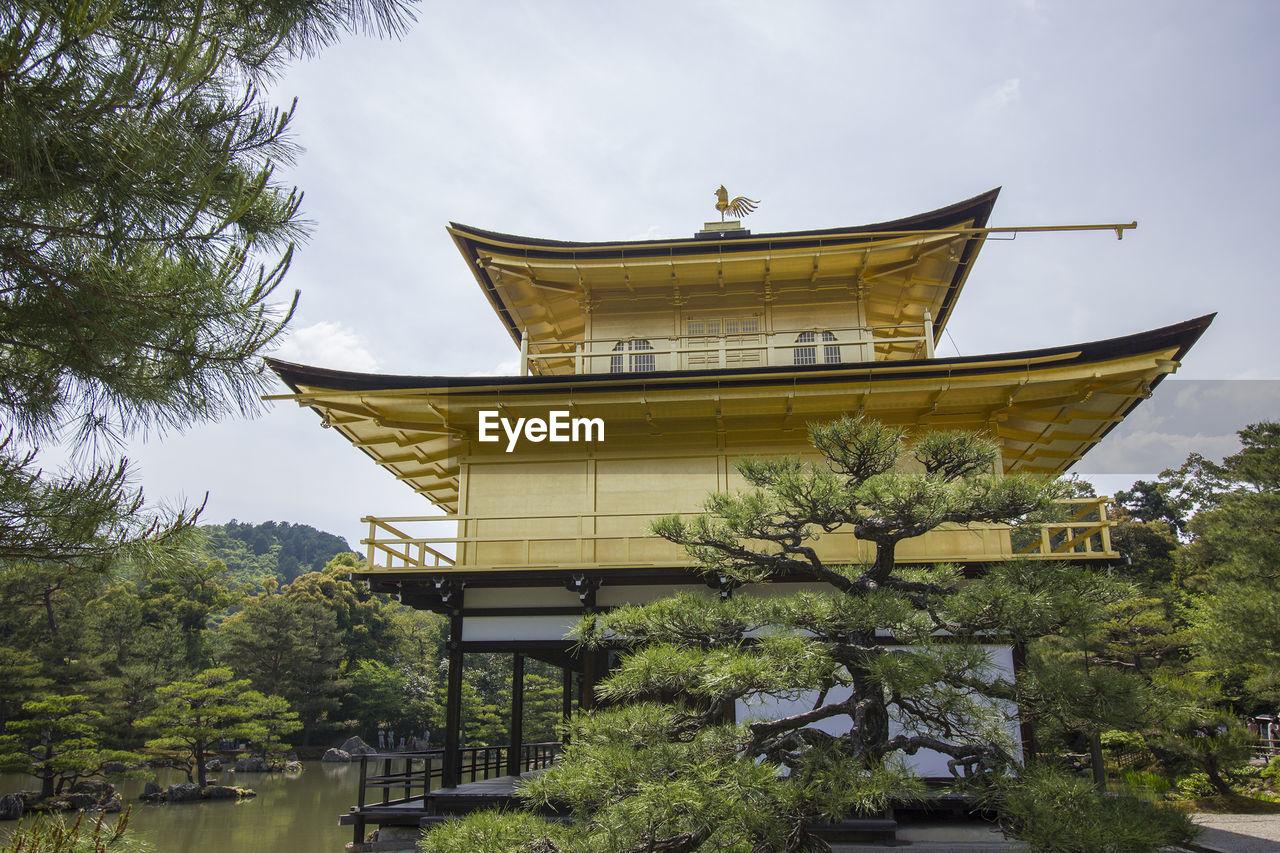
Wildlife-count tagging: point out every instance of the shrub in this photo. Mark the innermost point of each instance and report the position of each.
(1146, 781)
(1054, 811)
(1194, 786)
(493, 831)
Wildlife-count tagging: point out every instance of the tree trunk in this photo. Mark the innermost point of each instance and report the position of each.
(46, 776)
(1095, 757)
(49, 613)
(1212, 770)
(201, 774)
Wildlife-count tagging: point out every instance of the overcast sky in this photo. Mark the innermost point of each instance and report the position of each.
(609, 120)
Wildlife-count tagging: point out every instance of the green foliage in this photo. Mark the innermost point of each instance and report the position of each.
(495, 831)
(52, 834)
(138, 195)
(56, 739)
(1212, 744)
(659, 769)
(400, 697)
(1195, 785)
(1052, 811)
(194, 715)
(643, 774)
(289, 646)
(543, 706)
(1146, 781)
(485, 723)
(281, 550)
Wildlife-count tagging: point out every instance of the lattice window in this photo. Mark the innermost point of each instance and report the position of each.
(636, 360)
(809, 354)
(737, 336)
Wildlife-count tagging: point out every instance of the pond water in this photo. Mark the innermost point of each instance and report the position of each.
(291, 814)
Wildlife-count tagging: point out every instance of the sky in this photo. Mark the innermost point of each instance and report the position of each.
(616, 121)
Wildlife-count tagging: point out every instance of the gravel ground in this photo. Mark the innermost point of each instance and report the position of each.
(1239, 833)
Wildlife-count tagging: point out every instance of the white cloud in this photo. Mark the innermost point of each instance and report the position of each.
(506, 367)
(328, 344)
(1002, 96)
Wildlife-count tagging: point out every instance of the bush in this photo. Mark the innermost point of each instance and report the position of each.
(52, 834)
(1195, 786)
(493, 831)
(1145, 781)
(1054, 812)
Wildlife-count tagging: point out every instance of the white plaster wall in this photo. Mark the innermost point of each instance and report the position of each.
(534, 596)
(926, 762)
(613, 596)
(497, 629)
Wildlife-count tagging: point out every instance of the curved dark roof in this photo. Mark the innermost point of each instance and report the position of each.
(973, 213)
(1180, 336)
(977, 209)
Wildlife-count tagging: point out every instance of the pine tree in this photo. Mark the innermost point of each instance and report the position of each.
(58, 741)
(886, 661)
(143, 234)
(193, 716)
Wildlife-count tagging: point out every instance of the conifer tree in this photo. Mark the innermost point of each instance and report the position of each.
(143, 233)
(193, 716)
(884, 662)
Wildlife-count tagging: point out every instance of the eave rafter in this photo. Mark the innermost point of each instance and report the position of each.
(1047, 407)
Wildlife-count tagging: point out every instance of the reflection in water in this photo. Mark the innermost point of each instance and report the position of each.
(291, 814)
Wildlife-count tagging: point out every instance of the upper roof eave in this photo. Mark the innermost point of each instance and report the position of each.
(970, 213)
(976, 210)
(1179, 336)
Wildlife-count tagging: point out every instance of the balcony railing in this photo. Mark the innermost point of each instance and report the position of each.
(741, 347)
(620, 540)
(401, 781)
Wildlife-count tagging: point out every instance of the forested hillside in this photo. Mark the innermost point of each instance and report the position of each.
(275, 549)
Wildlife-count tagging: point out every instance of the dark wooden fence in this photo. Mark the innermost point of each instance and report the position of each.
(397, 778)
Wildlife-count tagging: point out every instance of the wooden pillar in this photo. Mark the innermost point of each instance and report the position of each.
(516, 747)
(451, 773)
(590, 674)
(1030, 750)
(566, 693)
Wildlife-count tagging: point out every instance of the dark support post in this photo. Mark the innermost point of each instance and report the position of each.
(1029, 746)
(451, 772)
(590, 669)
(516, 748)
(566, 693)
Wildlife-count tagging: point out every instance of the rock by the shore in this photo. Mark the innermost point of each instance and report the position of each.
(99, 789)
(220, 792)
(213, 764)
(80, 802)
(251, 764)
(293, 767)
(86, 794)
(336, 755)
(12, 806)
(355, 746)
(190, 792)
(182, 793)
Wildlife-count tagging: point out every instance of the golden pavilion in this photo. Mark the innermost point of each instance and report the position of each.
(647, 369)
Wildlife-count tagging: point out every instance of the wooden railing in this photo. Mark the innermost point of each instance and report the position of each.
(396, 778)
(1085, 532)
(574, 541)
(403, 551)
(741, 347)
